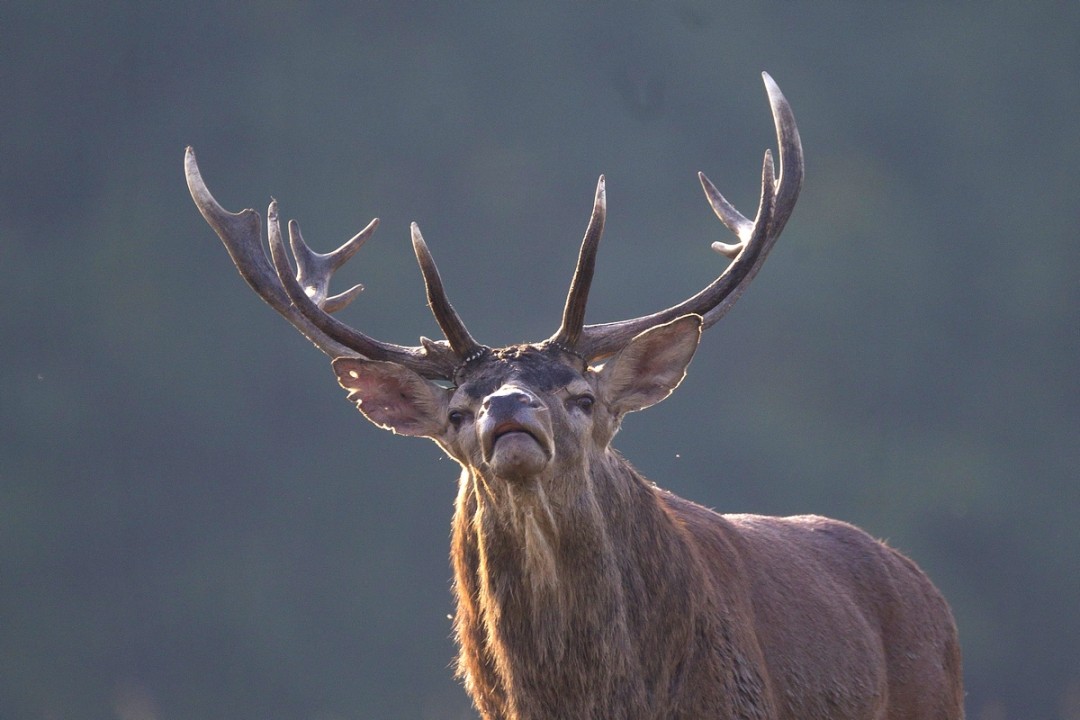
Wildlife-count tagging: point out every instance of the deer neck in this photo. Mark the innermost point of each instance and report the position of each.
(544, 599)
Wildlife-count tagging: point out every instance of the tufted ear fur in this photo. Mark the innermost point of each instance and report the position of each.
(393, 396)
(651, 365)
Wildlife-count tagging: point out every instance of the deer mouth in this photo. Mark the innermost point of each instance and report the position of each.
(515, 449)
(513, 428)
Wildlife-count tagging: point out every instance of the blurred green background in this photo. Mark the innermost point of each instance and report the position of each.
(195, 524)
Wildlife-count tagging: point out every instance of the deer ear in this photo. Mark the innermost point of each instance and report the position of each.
(651, 365)
(393, 396)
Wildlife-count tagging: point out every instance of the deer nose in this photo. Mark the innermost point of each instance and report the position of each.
(507, 400)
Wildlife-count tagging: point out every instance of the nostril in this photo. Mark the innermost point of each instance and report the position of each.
(508, 400)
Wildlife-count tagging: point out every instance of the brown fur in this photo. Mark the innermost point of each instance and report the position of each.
(584, 591)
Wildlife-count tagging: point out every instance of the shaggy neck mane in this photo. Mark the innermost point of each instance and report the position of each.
(546, 605)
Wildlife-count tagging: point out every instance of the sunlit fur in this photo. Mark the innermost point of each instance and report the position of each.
(533, 520)
(587, 592)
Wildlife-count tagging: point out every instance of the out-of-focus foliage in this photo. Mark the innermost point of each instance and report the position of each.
(193, 523)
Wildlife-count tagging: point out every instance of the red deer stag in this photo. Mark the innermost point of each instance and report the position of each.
(583, 590)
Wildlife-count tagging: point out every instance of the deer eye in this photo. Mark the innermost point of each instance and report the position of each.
(456, 417)
(583, 402)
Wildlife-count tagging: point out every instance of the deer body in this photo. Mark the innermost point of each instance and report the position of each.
(583, 590)
(802, 635)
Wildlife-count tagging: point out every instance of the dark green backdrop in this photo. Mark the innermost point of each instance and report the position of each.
(195, 524)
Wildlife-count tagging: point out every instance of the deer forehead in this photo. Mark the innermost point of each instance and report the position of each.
(540, 369)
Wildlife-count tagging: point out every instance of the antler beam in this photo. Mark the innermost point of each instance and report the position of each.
(304, 299)
(756, 239)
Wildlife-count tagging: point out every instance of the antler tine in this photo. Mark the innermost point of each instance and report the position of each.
(782, 192)
(778, 196)
(578, 296)
(735, 220)
(453, 328)
(314, 270)
(307, 308)
(792, 167)
(422, 360)
(240, 233)
(753, 250)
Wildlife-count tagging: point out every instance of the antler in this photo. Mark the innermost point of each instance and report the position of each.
(574, 313)
(756, 239)
(304, 299)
